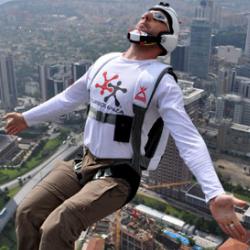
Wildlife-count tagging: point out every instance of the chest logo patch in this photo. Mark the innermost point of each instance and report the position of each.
(141, 95)
(105, 86)
(110, 88)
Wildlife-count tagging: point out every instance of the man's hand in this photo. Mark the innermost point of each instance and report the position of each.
(15, 123)
(222, 209)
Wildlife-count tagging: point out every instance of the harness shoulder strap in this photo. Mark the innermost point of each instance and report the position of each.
(140, 162)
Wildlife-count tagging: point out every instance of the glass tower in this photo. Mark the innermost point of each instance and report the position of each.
(8, 88)
(200, 48)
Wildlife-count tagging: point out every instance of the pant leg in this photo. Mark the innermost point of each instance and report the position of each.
(41, 201)
(96, 200)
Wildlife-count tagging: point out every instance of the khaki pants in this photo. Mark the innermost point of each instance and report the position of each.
(53, 215)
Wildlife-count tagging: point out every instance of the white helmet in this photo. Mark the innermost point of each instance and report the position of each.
(166, 40)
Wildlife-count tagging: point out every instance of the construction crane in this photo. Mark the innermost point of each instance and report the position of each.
(165, 185)
(118, 212)
(118, 229)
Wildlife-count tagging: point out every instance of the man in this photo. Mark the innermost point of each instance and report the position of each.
(66, 201)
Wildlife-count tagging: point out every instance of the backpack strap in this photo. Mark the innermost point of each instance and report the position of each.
(140, 162)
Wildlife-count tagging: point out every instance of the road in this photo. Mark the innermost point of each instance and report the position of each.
(39, 173)
(33, 172)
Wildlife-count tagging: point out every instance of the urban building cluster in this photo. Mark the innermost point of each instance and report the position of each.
(138, 227)
(215, 81)
(223, 72)
(52, 80)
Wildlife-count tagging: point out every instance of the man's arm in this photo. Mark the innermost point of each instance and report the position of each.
(63, 103)
(50, 110)
(189, 142)
(195, 154)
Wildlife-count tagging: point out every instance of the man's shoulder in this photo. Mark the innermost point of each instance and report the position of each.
(108, 56)
(101, 62)
(168, 70)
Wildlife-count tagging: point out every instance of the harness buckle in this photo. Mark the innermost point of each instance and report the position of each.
(77, 170)
(100, 117)
(103, 173)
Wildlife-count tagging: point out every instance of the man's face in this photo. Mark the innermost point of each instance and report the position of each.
(153, 22)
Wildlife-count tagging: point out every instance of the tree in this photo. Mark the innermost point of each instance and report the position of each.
(4, 248)
(191, 241)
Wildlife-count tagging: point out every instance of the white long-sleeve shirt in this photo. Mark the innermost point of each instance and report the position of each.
(111, 91)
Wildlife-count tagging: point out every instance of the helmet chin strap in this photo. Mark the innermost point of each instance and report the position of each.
(143, 38)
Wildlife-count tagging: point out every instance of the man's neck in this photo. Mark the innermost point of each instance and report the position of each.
(137, 52)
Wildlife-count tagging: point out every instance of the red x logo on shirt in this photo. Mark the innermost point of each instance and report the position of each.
(141, 95)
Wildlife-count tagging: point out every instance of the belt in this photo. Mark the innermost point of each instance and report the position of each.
(102, 117)
(100, 174)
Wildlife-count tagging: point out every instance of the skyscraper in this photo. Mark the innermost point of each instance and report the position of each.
(53, 79)
(43, 75)
(226, 80)
(211, 11)
(200, 48)
(247, 44)
(8, 89)
(246, 112)
(179, 58)
(204, 10)
(79, 68)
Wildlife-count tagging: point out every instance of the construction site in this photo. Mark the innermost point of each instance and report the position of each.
(139, 227)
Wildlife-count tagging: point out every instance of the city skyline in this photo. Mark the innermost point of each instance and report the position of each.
(51, 44)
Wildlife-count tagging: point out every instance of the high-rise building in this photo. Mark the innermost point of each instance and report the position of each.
(226, 81)
(237, 116)
(200, 48)
(79, 68)
(242, 86)
(246, 112)
(233, 80)
(179, 58)
(211, 11)
(234, 138)
(43, 76)
(172, 168)
(220, 105)
(247, 44)
(234, 108)
(53, 79)
(8, 88)
(229, 54)
(204, 10)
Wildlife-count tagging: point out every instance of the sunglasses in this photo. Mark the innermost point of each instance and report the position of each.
(159, 16)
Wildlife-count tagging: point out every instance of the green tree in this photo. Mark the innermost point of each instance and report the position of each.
(191, 241)
(4, 248)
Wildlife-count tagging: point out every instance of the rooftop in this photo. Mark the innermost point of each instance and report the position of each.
(5, 140)
(96, 244)
(196, 192)
(161, 216)
(190, 94)
(232, 244)
(241, 127)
